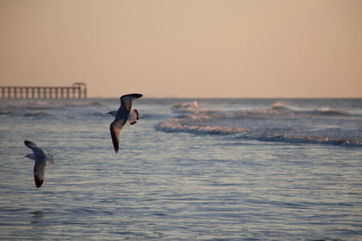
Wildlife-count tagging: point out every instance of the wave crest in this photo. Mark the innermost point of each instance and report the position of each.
(187, 107)
(280, 106)
(177, 125)
(278, 123)
(329, 111)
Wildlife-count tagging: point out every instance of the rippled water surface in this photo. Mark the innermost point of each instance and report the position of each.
(206, 170)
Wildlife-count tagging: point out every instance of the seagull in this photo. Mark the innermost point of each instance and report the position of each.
(40, 159)
(122, 115)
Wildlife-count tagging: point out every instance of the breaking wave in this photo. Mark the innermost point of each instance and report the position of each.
(187, 107)
(277, 123)
(329, 111)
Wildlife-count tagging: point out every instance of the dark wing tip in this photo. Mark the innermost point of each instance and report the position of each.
(115, 137)
(134, 95)
(29, 144)
(38, 181)
(115, 145)
(137, 95)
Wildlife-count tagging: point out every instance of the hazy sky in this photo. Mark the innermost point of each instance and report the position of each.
(185, 48)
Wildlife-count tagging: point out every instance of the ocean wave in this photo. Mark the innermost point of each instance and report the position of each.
(176, 125)
(302, 139)
(98, 114)
(280, 107)
(187, 107)
(283, 108)
(149, 116)
(278, 123)
(329, 112)
(83, 104)
(37, 114)
(5, 112)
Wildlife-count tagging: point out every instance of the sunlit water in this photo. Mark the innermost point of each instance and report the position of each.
(211, 170)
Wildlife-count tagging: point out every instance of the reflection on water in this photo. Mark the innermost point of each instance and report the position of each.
(36, 217)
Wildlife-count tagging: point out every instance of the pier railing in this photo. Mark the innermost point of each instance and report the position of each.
(77, 90)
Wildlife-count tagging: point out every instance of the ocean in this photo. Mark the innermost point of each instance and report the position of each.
(190, 169)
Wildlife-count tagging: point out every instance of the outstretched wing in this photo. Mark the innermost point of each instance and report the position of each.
(126, 101)
(36, 150)
(40, 161)
(115, 129)
(39, 169)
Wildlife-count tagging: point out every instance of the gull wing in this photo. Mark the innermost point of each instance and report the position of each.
(126, 101)
(39, 169)
(40, 161)
(33, 147)
(38, 153)
(115, 129)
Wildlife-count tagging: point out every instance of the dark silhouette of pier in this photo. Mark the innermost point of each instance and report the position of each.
(77, 90)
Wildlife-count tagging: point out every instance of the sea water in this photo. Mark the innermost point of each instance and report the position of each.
(209, 169)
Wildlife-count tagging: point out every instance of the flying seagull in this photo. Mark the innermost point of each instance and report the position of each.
(40, 159)
(122, 115)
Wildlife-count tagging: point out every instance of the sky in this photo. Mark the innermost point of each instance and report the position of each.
(185, 48)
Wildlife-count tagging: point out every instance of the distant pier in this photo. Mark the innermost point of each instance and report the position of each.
(76, 91)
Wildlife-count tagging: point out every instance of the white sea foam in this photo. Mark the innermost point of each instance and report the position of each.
(187, 107)
(280, 123)
(324, 110)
